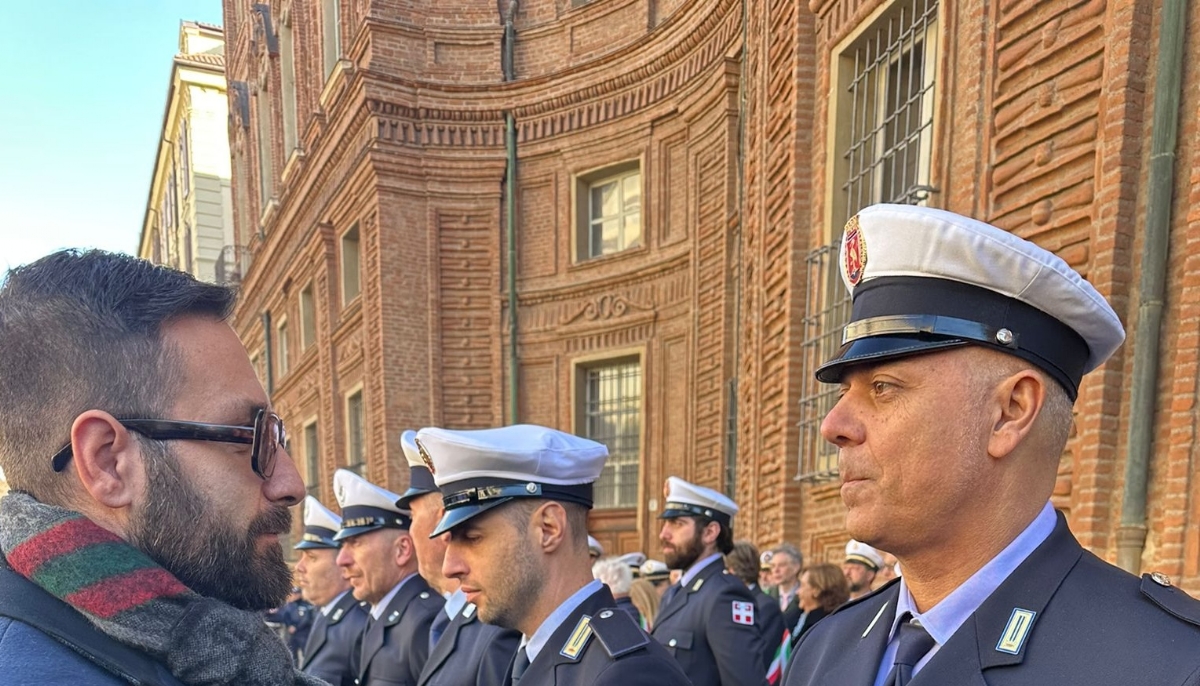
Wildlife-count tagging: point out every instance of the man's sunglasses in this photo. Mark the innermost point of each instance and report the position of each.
(265, 437)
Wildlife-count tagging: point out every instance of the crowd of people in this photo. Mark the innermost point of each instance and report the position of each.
(151, 484)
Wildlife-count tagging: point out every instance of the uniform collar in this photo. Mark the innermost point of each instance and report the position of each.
(694, 571)
(534, 644)
(455, 602)
(943, 619)
(328, 607)
(377, 609)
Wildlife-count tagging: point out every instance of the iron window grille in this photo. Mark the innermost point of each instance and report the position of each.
(312, 460)
(612, 415)
(355, 458)
(884, 120)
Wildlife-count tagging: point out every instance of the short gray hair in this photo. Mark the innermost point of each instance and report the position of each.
(613, 573)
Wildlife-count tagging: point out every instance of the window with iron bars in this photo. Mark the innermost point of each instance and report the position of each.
(312, 460)
(355, 440)
(611, 410)
(883, 137)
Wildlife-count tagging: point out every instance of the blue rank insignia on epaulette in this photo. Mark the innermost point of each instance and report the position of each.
(578, 640)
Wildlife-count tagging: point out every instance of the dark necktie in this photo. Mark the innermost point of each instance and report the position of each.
(915, 642)
(317, 633)
(440, 622)
(520, 664)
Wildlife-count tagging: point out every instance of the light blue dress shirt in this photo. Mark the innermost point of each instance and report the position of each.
(534, 644)
(455, 602)
(943, 619)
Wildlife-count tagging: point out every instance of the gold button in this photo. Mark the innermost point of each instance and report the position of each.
(1160, 579)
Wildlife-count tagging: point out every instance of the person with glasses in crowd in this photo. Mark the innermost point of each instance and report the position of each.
(150, 482)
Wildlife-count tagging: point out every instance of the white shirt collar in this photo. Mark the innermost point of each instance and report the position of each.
(455, 602)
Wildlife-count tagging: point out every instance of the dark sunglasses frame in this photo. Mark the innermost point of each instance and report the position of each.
(265, 438)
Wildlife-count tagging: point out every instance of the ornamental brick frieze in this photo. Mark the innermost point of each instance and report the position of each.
(628, 93)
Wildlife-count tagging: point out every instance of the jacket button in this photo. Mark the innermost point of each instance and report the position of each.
(671, 643)
(1160, 579)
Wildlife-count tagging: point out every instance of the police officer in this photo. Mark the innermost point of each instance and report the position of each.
(707, 619)
(516, 501)
(958, 372)
(861, 565)
(463, 650)
(331, 652)
(381, 563)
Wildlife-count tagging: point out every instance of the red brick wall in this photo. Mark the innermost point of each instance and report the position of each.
(1042, 127)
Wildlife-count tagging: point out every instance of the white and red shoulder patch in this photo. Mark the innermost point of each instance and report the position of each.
(743, 613)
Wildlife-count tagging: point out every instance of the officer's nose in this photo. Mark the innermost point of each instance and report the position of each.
(344, 558)
(453, 565)
(841, 425)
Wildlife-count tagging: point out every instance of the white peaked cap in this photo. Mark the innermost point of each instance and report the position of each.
(365, 506)
(594, 545)
(857, 551)
(923, 279)
(522, 452)
(634, 560)
(684, 498)
(316, 514)
(412, 454)
(353, 490)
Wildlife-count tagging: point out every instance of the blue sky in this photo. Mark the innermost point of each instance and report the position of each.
(83, 84)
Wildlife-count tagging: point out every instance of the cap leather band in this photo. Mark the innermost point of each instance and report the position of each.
(674, 509)
(475, 495)
(863, 560)
(357, 516)
(931, 324)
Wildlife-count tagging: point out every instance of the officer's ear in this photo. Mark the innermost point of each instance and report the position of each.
(550, 524)
(1016, 403)
(107, 460)
(710, 533)
(402, 546)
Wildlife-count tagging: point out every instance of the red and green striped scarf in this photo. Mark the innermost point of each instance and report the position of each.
(130, 598)
(91, 569)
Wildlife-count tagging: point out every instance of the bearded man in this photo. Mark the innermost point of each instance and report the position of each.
(150, 482)
(707, 619)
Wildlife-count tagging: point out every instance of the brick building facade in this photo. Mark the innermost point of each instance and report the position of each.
(680, 169)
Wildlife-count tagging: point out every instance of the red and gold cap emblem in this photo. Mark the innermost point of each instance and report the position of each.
(854, 252)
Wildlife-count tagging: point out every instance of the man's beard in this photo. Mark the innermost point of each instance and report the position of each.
(685, 557)
(511, 595)
(188, 537)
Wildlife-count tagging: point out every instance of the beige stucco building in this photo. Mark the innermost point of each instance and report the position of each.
(188, 221)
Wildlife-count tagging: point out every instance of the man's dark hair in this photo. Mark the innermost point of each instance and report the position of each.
(791, 551)
(82, 330)
(724, 537)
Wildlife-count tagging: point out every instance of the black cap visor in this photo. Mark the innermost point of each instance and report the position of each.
(458, 515)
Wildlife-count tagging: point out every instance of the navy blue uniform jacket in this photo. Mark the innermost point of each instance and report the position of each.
(470, 652)
(599, 645)
(1095, 625)
(333, 644)
(396, 646)
(697, 626)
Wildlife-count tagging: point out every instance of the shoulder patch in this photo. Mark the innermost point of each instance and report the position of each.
(618, 633)
(1175, 602)
(743, 613)
(578, 639)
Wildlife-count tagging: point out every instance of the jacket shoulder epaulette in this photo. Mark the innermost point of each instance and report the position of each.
(1157, 587)
(618, 633)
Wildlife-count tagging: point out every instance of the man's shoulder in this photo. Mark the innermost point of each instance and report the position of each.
(27, 655)
(1135, 601)
(627, 654)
